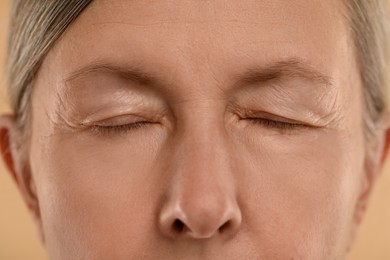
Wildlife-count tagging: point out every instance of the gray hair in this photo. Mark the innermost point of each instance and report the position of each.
(370, 32)
(37, 24)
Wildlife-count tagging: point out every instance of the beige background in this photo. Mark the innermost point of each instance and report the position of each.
(19, 239)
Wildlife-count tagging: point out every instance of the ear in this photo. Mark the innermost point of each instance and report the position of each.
(15, 156)
(376, 154)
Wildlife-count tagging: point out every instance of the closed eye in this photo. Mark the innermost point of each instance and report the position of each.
(271, 123)
(118, 129)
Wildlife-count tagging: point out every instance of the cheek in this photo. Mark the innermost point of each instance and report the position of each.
(98, 195)
(302, 189)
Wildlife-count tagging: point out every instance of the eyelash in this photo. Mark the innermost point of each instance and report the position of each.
(274, 124)
(118, 129)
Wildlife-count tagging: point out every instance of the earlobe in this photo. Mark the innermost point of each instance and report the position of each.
(376, 154)
(386, 141)
(7, 126)
(374, 162)
(15, 159)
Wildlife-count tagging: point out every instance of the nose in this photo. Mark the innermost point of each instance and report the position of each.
(200, 217)
(200, 200)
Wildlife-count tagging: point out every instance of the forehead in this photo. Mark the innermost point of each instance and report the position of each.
(189, 38)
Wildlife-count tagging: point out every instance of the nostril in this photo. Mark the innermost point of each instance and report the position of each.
(224, 227)
(197, 220)
(178, 225)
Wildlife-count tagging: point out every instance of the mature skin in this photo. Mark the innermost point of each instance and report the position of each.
(249, 142)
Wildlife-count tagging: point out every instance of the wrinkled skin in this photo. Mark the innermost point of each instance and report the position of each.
(198, 130)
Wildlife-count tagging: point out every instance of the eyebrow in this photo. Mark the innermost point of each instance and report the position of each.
(132, 73)
(291, 68)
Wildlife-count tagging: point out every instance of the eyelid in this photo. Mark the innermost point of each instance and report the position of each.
(276, 124)
(272, 121)
(118, 129)
(118, 120)
(251, 114)
(118, 125)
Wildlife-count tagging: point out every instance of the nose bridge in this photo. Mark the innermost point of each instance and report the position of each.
(204, 150)
(201, 198)
(202, 157)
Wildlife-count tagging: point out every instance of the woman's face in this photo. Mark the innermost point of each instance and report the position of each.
(199, 130)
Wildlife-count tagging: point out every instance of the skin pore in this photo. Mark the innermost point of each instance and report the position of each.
(199, 130)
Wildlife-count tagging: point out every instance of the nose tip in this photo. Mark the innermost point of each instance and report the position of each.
(200, 219)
